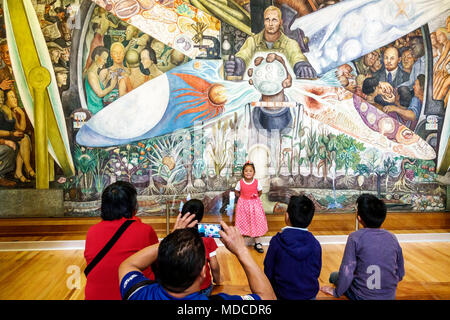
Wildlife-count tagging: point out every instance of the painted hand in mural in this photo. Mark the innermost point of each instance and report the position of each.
(235, 66)
(304, 70)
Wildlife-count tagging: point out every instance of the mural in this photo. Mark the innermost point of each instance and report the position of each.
(326, 98)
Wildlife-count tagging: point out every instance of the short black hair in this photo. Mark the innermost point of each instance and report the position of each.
(369, 85)
(119, 200)
(371, 210)
(181, 257)
(194, 206)
(301, 211)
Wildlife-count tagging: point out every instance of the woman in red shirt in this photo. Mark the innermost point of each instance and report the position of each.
(119, 204)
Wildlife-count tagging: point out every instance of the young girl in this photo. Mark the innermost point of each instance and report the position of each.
(250, 217)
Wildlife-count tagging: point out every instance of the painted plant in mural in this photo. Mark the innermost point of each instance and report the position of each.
(159, 97)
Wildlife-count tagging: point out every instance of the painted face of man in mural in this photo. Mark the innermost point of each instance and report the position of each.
(417, 48)
(4, 53)
(391, 59)
(272, 23)
(371, 58)
(407, 60)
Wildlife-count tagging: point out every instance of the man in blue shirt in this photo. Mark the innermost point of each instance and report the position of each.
(181, 268)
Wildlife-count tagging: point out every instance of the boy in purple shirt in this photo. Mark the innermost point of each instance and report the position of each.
(372, 265)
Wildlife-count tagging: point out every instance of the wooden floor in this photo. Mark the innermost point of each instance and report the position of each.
(58, 274)
(52, 275)
(322, 224)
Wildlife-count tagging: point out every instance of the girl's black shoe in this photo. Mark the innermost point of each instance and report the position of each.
(258, 247)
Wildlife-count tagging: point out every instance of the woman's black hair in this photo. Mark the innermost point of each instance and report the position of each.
(119, 200)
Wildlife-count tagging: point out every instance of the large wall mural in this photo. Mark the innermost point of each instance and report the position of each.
(326, 98)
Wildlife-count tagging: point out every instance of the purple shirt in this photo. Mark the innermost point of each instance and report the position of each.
(372, 265)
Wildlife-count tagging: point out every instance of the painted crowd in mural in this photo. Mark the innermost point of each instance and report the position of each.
(176, 95)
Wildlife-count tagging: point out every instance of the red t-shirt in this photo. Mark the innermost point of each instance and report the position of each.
(103, 281)
(210, 251)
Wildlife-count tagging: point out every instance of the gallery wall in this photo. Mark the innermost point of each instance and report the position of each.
(175, 96)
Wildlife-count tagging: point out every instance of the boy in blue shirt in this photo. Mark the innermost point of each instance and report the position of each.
(294, 258)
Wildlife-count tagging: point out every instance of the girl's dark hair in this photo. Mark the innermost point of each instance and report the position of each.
(194, 206)
(119, 200)
(247, 164)
(371, 210)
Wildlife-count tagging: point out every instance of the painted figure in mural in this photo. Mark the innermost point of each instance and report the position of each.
(418, 53)
(117, 52)
(7, 160)
(162, 54)
(167, 58)
(7, 146)
(441, 69)
(410, 115)
(148, 62)
(13, 120)
(367, 64)
(250, 217)
(100, 24)
(61, 78)
(135, 77)
(378, 92)
(95, 90)
(407, 59)
(271, 39)
(135, 39)
(6, 78)
(346, 77)
(55, 51)
(391, 72)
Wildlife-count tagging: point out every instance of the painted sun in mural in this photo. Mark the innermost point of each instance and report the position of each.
(210, 100)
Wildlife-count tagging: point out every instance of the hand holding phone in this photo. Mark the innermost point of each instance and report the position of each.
(209, 230)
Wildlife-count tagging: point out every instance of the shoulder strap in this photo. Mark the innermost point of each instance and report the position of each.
(137, 286)
(108, 246)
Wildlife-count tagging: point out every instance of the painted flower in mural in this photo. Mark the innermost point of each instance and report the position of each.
(185, 10)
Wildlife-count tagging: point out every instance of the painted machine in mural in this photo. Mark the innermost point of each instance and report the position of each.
(326, 98)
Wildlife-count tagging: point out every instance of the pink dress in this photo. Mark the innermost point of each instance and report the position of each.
(250, 217)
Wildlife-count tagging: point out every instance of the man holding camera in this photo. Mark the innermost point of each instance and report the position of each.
(181, 267)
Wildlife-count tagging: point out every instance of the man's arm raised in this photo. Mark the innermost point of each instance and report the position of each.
(234, 242)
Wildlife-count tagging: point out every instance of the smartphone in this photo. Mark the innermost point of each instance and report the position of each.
(210, 230)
